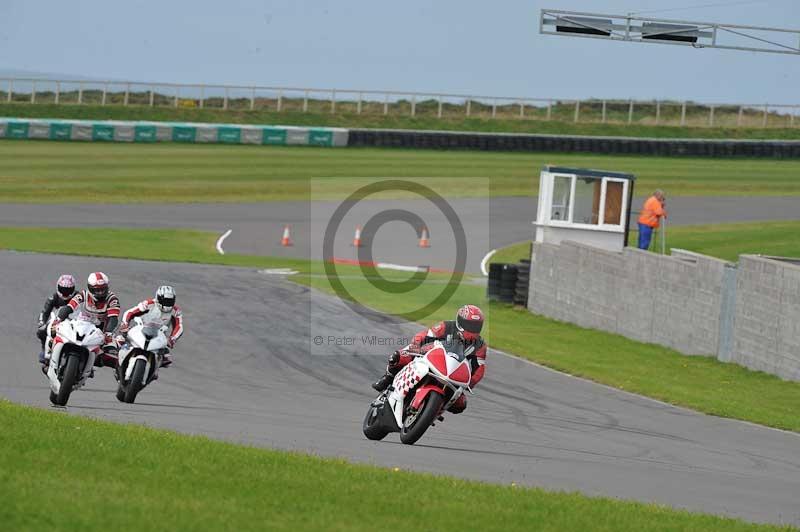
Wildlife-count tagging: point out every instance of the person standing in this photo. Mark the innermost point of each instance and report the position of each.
(654, 209)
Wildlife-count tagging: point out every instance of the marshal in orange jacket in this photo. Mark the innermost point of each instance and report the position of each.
(651, 212)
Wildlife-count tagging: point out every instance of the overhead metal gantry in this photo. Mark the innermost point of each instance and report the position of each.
(669, 31)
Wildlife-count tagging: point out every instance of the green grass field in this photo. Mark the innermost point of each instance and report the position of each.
(701, 383)
(46, 171)
(136, 478)
(562, 123)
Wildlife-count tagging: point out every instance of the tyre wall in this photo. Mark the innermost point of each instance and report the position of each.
(559, 143)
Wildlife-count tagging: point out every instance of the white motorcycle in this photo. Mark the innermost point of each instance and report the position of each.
(76, 343)
(141, 355)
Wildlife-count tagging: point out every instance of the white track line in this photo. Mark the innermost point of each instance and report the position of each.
(485, 260)
(400, 267)
(221, 239)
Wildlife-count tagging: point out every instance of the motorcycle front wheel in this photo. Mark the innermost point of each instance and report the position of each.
(371, 426)
(416, 427)
(70, 376)
(135, 383)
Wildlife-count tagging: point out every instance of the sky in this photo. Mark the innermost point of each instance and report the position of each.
(453, 46)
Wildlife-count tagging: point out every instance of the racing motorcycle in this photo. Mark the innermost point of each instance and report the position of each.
(141, 355)
(76, 344)
(420, 393)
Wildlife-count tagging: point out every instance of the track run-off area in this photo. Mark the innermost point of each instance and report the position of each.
(244, 372)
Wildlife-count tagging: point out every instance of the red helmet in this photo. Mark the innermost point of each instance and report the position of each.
(469, 321)
(97, 284)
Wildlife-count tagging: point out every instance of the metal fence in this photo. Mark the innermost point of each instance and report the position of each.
(397, 103)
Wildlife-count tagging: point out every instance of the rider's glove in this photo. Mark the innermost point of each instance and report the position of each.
(54, 325)
(170, 343)
(394, 358)
(123, 328)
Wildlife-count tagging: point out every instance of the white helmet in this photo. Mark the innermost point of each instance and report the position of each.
(165, 298)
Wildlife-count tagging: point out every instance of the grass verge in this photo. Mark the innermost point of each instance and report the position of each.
(700, 383)
(145, 479)
(45, 171)
(562, 123)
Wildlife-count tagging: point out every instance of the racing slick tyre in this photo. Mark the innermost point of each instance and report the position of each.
(70, 376)
(135, 383)
(414, 426)
(372, 427)
(120, 393)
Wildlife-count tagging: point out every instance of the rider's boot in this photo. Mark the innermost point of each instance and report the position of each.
(166, 361)
(391, 370)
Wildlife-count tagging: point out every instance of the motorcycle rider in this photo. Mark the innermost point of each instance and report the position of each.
(103, 306)
(467, 326)
(65, 289)
(170, 315)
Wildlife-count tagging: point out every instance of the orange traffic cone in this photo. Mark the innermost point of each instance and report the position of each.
(424, 240)
(357, 237)
(286, 240)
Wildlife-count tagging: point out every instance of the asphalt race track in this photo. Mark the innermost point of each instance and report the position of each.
(244, 373)
(257, 228)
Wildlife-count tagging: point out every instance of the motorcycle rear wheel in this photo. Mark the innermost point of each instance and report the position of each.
(427, 414)
(372, 427)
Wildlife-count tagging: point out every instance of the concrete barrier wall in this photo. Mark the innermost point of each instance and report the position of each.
(672, 301)
(766, 335)
(695, 304)
(118, 131)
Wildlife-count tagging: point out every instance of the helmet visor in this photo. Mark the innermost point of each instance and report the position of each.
(470, 326)
(166, 303)
(66, 291)
(100, 293)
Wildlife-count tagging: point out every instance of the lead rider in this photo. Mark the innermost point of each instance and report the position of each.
(467, 326)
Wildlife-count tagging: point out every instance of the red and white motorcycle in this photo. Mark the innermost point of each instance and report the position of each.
(420, 393)
(76, 344)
